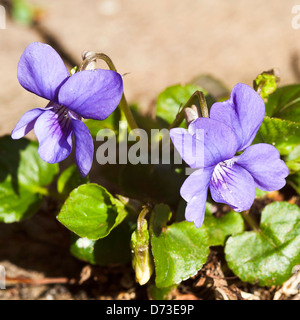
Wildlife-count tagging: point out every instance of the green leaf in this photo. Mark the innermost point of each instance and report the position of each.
(23, 178)
(267, 257)
(218, 229)
(91, 212)
(294, 155)
(69, 180)
(282, 134)
(179, 250)
(112, 249)
(171, 99)
(293, 165)
(284, 103)
(293, 160)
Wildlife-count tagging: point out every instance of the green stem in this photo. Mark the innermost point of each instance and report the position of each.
(253, 225)
(123, 103)
(127, 112)
(132, 205)
(197, 96)
(250, 221)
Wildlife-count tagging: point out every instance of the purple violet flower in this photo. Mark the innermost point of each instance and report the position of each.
(91, 94)
(232, 179)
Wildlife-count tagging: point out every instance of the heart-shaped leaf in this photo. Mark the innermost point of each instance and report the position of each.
(179, 250)
(268, 256)
(91, 212)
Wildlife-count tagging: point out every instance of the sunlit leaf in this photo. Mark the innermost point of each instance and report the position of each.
(282, 134)
(267, 257)
(91, 212)
(170, 101)
(284, 103)
(179, 249)
(218, 229)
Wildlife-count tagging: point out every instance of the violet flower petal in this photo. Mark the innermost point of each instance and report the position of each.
(84, 147)
(233, 185)
(216, 140)
(42, 71)
(243, 112)
(53, 130)
(26, 123)
(93, 94)
(196, 183)
(263, 162)
(188, 147)
(194, 191)
(220, 141)
(195, 209)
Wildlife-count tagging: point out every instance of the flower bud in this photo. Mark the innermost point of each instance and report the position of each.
(266, 82)
(141, 256)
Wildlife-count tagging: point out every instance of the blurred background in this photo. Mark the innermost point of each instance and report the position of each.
(158, 42)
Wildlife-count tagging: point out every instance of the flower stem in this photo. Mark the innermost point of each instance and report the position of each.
(90, 57)
(197, 96)
(250, 221)
(127, 112)
(134, 206)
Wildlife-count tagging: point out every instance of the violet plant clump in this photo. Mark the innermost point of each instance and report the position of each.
(159, 219)
(231, 179)
(90, 94)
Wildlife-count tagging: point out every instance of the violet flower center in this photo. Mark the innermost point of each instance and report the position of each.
(221, 173)
(63, 113)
